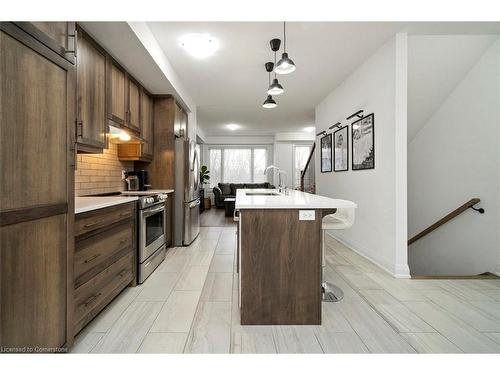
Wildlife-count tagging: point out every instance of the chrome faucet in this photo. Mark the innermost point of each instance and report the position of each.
(281, 186)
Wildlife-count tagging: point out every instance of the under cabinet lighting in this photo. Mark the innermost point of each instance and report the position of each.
(124, 136)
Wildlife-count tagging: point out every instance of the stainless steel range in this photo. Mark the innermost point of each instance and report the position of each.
(152, 224)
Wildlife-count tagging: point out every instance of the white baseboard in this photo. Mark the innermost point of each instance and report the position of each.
(397, 271)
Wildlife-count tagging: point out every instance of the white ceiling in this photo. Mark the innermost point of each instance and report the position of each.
(436, 65)
(230, 86)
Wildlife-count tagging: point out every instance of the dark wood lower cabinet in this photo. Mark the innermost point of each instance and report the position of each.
(104, 260)
(280, 269)
(33, 279)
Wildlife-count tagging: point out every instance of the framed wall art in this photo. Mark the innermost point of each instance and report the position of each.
(326, 153)
(363, 143)
(341, 149)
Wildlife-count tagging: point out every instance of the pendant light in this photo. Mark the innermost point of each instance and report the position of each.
(269, 102)
(275, 88)
(285, 65)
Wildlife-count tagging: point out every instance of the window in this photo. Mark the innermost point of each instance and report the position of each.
(215, 167)
(301, 156)
(237, 164)
(259, 164)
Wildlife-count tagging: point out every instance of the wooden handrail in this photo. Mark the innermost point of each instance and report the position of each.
(447, 218)
(302, 175)
(308, 160)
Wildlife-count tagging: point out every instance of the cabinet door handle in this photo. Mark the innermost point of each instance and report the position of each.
(122, 273)
(75, 42)
(79, 128)
(91, 259)
(90, 225)
(91, 299)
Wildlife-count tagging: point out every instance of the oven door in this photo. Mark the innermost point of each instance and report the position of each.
(152, 233)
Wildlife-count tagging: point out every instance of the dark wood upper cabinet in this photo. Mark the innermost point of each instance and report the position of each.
(117, 93)
(134, 103)
(91, 123)
(60, 37)
(36, 200)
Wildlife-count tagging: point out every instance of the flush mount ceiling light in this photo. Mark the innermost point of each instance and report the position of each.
(269, 102)
(199, 46)
(285, 65)
(275, 88)
(232, 126)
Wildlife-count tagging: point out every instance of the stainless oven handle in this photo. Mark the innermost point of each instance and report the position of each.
(195, 203)
(152, 211)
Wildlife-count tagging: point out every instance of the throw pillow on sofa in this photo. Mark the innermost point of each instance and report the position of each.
(225, 188)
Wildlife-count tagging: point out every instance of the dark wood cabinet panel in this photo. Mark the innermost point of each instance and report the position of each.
(134, 102)
(102, 249)
(91, 95)
(117, 103)
(280, 267)
(58, 36)
(161, 169)
(33, 279)
(92, 220)
(141, 150)
(94, 295)
(34, 128)
(36, 153)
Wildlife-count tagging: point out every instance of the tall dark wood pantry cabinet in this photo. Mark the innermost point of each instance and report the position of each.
(36, 189)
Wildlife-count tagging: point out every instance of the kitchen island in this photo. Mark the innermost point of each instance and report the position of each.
(279, 255)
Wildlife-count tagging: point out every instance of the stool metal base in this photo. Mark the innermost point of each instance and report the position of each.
(331, 293)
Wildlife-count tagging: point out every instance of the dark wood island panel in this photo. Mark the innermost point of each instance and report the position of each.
(280, 267)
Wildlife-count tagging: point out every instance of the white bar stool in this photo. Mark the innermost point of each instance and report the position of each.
(343, 218)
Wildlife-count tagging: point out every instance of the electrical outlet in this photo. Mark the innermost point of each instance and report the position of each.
(124, 174)
(307, 215)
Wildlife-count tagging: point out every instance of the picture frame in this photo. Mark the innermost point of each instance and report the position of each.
(326, 153)
(363, 143)
(341, 149)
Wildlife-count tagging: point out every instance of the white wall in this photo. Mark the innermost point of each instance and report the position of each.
(453, 158)
(372, 87)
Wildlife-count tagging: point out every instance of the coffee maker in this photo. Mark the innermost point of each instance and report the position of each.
(142, 177)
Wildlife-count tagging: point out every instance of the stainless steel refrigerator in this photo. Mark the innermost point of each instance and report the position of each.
(187, 192)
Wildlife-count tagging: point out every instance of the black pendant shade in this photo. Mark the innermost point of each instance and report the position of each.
(269, 102)
(275, 88)
(285, 65)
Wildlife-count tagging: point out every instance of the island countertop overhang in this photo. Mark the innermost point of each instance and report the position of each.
(293, 200)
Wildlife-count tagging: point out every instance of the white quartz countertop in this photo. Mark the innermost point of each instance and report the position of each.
(148, 192)
(84, 204)
(294, 200)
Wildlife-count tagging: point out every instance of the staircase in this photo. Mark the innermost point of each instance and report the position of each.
(307, 176)
(468, 205)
